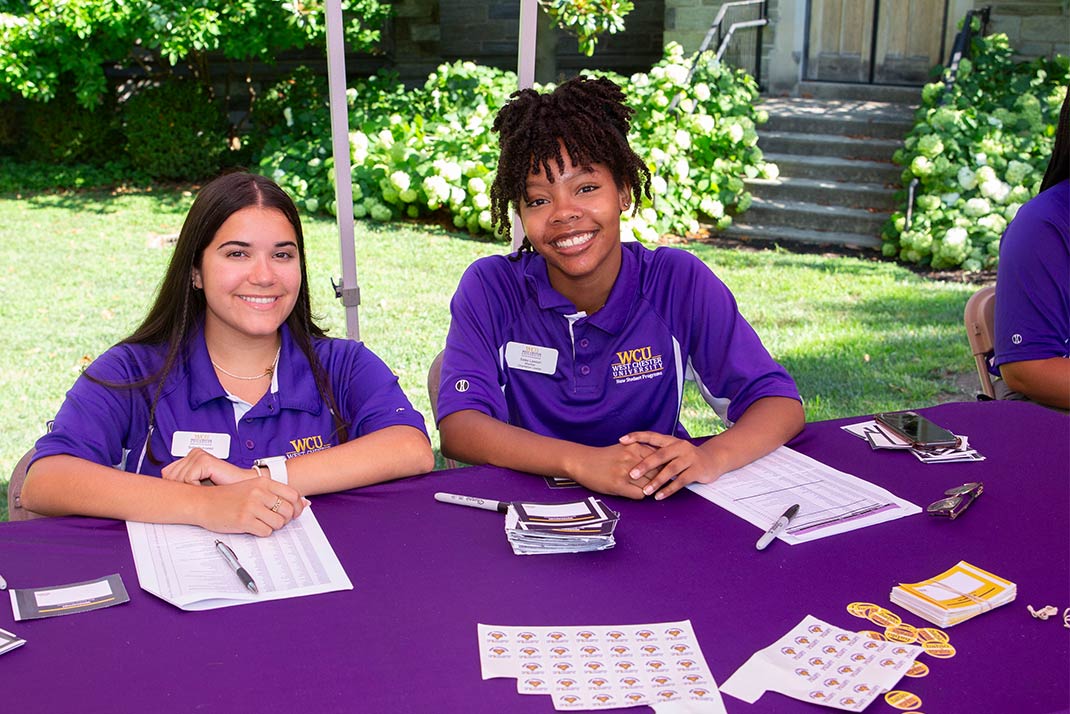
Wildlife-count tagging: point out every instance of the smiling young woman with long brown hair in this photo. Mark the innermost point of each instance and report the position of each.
(228, 380)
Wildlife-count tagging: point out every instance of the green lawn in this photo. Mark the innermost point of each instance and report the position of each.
(78, 271)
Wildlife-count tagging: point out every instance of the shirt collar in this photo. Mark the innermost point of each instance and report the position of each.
(293, 384)
(612, 317)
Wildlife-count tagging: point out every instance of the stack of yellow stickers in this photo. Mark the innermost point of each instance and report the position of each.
(955, 595)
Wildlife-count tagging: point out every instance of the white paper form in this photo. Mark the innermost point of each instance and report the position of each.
(830, 501)
(180, 563)
(818, 663)
(604, 666)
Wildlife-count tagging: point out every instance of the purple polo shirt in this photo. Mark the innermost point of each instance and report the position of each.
(108, 426)
(1033, 281)
(520, 352)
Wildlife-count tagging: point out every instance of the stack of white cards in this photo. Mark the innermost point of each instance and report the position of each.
(955, 595)
(574, 527)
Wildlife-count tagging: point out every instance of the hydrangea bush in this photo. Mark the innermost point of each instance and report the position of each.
(979, 151)
(431, 151)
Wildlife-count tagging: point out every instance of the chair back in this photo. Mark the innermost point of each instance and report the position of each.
(434, 378)
(15, 511)
(980, 331)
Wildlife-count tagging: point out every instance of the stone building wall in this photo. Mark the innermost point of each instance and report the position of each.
(1037, 28)
(426, 33)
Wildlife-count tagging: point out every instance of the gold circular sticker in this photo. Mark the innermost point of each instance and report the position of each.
(918, 669)
(901, 633)
(884, 618)
(862, 609)
(942, 650)
(903, 700)
(931, 634)
(871, 634)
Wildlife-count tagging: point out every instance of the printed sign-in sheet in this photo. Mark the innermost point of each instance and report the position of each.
(180, 563)
(604, 666)
(830, 501)
(818, 663)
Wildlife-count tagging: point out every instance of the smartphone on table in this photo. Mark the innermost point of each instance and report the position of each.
(918, 430)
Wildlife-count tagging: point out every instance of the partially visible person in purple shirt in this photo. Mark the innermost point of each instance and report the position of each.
(569, 357)
(1032, 340)
(227, 380)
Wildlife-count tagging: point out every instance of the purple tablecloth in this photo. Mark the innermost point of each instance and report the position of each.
(404, 639)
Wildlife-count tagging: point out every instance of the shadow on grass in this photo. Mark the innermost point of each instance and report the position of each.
(100, 202)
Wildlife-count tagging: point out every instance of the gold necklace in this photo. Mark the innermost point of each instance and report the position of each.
(266, 373)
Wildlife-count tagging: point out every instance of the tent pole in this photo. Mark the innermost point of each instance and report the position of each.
(348, 291)
(525, 74)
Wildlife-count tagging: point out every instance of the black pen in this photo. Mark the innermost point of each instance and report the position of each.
(473, 502)
(781, 524)
(232, 561)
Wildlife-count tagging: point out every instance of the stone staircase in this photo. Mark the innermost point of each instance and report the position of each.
(833, 145)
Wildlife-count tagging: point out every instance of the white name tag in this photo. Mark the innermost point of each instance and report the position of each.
(531, 358)
(218, 445)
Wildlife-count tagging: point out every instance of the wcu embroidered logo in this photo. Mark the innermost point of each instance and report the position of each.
(306, 445)
(637, 363)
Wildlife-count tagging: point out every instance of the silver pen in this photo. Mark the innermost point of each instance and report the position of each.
(232, 561)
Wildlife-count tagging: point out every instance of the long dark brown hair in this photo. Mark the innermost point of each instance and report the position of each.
(179, 307)
(588, 116)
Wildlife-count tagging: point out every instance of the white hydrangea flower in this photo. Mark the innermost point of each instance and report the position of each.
(967, 179)
(683, 139)
(956, 237)
(358, 146)
(986, 173)
(476, 185)
(400, 180)
(702, 91)
(437, 190)
(677, 74)
(449, 170)
(735, 133)
(995, 190)
(682, 169)
(949, 198)
(658, 186)
(977, 207)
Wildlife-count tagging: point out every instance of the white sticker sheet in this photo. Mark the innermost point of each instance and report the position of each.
(604, 666)
(822, 664)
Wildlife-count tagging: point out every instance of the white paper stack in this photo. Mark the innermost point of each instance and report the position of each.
(574, 527)
(957, 594)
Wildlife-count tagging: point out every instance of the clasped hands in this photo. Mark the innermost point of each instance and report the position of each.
(243, 503)
(646, 463)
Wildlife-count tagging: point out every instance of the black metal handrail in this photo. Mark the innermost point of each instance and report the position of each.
(724, 39)
(959, 49)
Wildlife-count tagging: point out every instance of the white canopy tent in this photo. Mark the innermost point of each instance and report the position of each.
(349, 290)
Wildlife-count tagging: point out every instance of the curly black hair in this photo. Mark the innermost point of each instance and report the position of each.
(588, 116)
